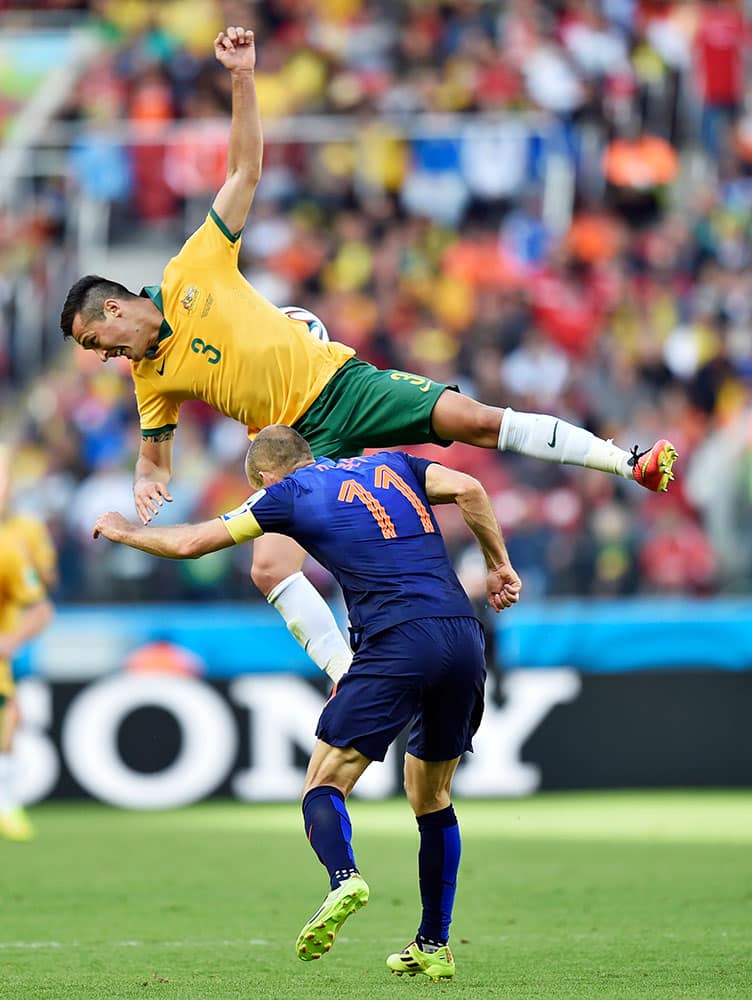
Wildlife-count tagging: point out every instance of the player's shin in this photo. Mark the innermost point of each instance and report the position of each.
(329, 832)
(438, 864)
(312, 624)
(327, 826)
(539, 435)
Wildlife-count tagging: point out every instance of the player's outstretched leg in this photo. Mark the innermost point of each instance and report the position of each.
(457, 417)
(329, 832)
(551, 439)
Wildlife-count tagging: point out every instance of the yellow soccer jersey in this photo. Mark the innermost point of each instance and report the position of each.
(33, 533)
(19, 587)
(223, 343)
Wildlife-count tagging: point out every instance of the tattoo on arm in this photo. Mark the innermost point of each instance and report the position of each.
(158, 438)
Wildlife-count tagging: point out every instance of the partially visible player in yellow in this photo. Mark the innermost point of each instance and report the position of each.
(26, 556)
(205, 333)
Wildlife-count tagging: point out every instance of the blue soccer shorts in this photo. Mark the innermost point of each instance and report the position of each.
(430, 672)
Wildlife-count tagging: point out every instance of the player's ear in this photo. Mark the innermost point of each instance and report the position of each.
(113, 307)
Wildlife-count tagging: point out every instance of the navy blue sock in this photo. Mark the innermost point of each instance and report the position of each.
(329, 831)
(438, 863)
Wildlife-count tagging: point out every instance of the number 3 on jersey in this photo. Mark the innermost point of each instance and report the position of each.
(213, 354)
(384, 478)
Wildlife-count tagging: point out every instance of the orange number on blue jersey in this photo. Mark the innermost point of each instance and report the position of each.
(384, 477)
(350, 490)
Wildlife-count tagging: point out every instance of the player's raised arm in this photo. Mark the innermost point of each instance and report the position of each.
(449, 486)
(177, 541)
(152, 474)
(235, 49)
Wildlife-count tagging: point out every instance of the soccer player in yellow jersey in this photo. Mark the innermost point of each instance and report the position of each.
(205, 333)
(24, 613)
(34, 536)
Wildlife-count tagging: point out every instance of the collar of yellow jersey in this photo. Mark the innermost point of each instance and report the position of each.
(154, 292)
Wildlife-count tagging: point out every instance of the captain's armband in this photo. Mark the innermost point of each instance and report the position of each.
(241, 522)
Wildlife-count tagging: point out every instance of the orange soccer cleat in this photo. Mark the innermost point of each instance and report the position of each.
(652, 468)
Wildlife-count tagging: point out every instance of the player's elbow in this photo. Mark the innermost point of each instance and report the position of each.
(468, 490)
(246, 175)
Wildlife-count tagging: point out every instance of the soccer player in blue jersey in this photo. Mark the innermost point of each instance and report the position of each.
(418, 649)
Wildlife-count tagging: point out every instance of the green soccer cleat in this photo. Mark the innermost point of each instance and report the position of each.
(317, 937)
(16, 825)
(653, 468)
(411, 961)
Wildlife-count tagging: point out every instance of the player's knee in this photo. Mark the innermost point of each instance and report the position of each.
(266, 575)
(339, 767)
(330, 777)
(424, 803)
(485, 422)
(420, 799)
(424, 793)
(460, 418)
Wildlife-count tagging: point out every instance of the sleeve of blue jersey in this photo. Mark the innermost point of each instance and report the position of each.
(273, 510)
(419, 466)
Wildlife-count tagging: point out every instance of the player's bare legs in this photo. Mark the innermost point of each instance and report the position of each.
(340, 767)
(428, 783)
(14, 824)
(457, 417)
(277, 572)
(10, 718)
(460, 418)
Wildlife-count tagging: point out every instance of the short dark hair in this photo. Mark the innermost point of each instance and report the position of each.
(277, 448)
(87, 297)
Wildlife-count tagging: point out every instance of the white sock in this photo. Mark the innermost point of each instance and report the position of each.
(7, 782)
(312, 624)
(553, 440)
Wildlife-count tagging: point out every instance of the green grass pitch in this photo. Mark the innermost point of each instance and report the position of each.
(617, 895)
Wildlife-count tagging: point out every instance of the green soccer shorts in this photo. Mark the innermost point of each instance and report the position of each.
(364, 407)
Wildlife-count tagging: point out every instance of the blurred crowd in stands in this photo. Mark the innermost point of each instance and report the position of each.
(547, 203)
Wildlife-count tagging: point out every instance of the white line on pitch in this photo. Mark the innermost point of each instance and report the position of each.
(249, 942)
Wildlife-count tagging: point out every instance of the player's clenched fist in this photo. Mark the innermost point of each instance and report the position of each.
(502, 587)
(148, 497)
(111, 525)
(235, 49)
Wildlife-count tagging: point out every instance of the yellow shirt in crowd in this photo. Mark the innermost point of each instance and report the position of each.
(223, 343)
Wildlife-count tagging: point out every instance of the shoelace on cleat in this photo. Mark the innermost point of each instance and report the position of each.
(635, 456)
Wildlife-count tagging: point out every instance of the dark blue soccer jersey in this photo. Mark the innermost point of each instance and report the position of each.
(368, 520)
